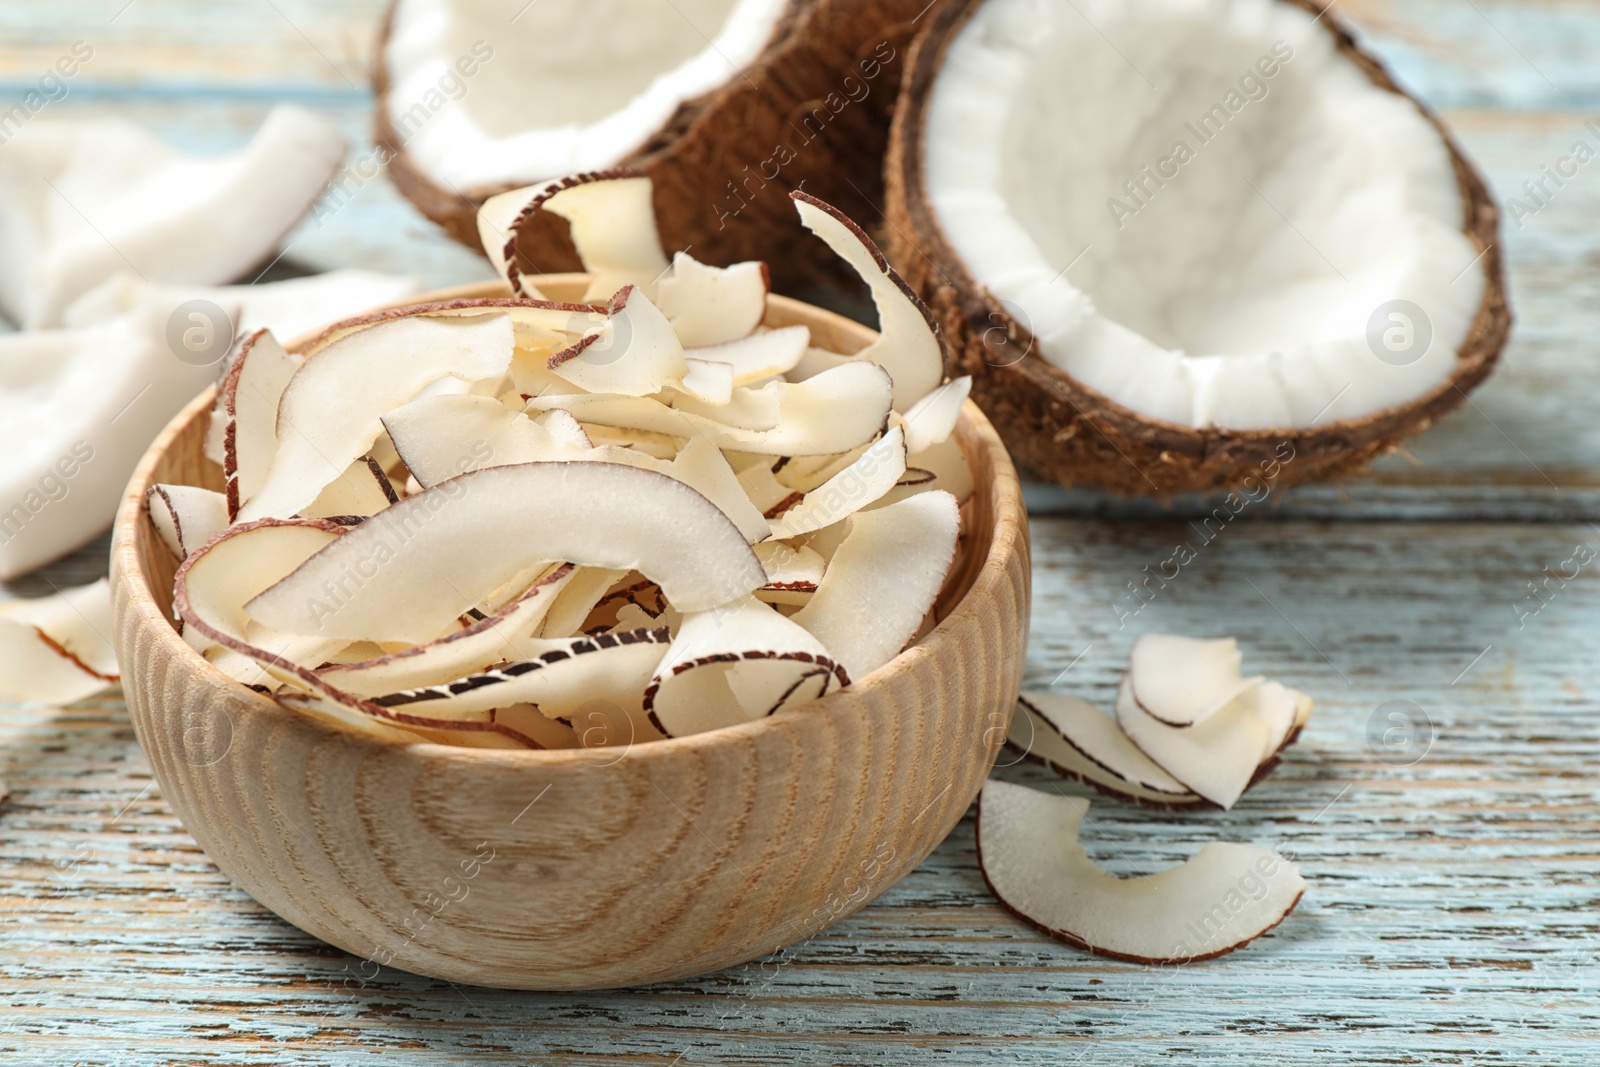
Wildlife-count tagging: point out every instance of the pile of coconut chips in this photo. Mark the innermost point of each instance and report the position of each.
(533, 524)
(1190, 731)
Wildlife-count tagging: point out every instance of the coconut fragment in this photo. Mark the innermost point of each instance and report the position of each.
(214, 583)
(361, 491)
(1221, 899)
(439, 437)
(1181, 681)
(1041, 741)
(712, 305)
(247, 409)
(1215, 758)
(759, 356)
(634, 353)
(873, 474)
(708, 381)
(1097, 738)
(57, 649)
(882, 579)
(331, 410)
(85, 200)
(741, 662)
(931, 420)
(908, 346)
(185, 517)
(444, 548)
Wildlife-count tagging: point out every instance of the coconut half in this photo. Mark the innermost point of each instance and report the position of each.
(725, 104)
(1266, 263)
(1221, 899)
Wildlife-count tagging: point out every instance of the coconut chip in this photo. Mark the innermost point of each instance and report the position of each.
(1221, 899)
(57, 649)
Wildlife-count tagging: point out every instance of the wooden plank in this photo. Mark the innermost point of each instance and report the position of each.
(1451, 910)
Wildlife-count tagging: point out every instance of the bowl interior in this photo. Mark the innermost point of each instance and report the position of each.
(182, 460)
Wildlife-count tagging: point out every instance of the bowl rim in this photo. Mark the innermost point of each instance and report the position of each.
(128, 576)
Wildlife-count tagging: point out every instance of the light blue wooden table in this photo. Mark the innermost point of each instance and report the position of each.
(1454, 908)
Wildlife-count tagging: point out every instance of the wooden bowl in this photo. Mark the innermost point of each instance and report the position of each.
(581, 869)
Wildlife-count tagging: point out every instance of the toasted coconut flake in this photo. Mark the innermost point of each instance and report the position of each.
(874, 473)
(908, 346)
(759, 356)
(712, 305)
(57, 649)
(247, 404)
(1181, 681)
(1220, 900)
(633, 353)
(502, 636)
(1097, 737)
(330, 412)
(186, 517)
(882, 579)
(562, 675)
(1038, 739)
(444, 548)
(831, 413)
(793, 567)
(708, 381)
(360, 492)
(931, 420)
(734, 664)
(1216, 758)
(439, 437)
(213, 585)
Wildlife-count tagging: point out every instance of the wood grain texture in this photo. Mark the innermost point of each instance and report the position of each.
(581, 868)
(1452, 911)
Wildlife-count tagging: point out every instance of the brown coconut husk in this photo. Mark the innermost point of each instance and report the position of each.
(724, 164)
(1068, 432)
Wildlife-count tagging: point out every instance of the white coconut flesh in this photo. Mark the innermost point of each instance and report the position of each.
(1038, 739)
(737, 663)
(602, 538)
(1182, 680)
(323, 424)
(1216, 758)
(57, 649)
(84, 201)
(566, 85)
(1275, 200)
(186, 517)
(1221, 899)
(882, 580)
(436, 554)
(1096, 738)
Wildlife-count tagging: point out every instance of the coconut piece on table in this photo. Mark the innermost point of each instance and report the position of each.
(331, 410)
(882, 579)
(1216, 758)
(1181, 681)
(1114, 762)
(88, 199)
(467, 535)
(1219, 900)
(57, 649)
(741, 662)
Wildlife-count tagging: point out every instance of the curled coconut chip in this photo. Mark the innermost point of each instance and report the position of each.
(1180, 680)
(618, 522)
(1221, 899)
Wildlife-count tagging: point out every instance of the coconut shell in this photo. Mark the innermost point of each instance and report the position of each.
(812, 112)
(1064, 430)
